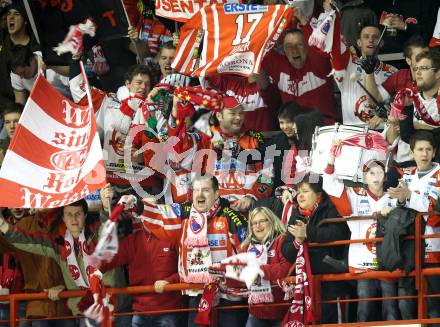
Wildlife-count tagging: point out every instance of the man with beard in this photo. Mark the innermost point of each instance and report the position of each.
(206, 231)
(421, 109)
(242, 180)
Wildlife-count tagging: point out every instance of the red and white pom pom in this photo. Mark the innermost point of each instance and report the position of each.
(73, 42)
(250, 271)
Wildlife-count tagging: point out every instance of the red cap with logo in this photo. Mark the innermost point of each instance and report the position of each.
(230, 102)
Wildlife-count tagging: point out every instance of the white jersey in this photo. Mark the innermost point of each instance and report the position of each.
(358, 202)
(424, 195)
(355, 106)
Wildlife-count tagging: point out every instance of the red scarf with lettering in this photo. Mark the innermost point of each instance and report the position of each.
(301, 311)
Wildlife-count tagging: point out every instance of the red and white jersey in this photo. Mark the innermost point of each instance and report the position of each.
(355, 105)
(113, 127)
(424, 195)
(432, 107)
(351, 201)
(309, 86)
(235, 38)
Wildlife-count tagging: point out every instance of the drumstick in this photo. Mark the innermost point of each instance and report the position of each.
(376, 50)
(355, 77)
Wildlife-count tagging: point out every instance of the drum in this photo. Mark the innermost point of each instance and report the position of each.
(349, 163)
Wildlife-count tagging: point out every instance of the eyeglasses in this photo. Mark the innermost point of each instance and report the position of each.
(423, 68)
(260, 222)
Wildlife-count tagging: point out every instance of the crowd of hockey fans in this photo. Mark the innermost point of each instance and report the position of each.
(239, 179)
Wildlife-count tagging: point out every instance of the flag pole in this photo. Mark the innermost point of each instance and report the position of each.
(129, 25)
(31, 20)
(87, 86)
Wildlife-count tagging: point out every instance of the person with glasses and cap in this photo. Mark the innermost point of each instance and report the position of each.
(367, 200)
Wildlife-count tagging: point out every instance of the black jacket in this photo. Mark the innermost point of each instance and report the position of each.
(282, 144)
(324, 233)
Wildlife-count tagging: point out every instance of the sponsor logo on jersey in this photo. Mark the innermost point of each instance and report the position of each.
(216, 240)
(235, 8)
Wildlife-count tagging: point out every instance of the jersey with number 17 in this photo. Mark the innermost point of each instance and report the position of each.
(234, 38)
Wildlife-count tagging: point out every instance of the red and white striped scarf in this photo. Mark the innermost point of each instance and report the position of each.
(399, 104)
(299, 314)
(369, 141)
(196, 267)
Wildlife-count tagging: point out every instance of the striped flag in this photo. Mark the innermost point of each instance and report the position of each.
(183, 10)
(234, 38)
(55, 157)
(164, 221)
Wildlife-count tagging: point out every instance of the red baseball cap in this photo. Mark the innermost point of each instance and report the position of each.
(230, 103)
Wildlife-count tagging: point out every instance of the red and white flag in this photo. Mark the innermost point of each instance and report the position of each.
(235, 38)
(55, 157)
(183, 10)
(435, 41)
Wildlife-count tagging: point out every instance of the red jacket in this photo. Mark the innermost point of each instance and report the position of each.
(149, 259)
(276, 269)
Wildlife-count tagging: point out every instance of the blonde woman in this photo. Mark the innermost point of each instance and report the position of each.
(265, 237)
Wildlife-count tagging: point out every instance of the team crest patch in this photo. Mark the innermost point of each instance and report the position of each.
(325, 28)
(257, 252)
(219, 225)
(203, 305)
(196, 223)
(271, 253)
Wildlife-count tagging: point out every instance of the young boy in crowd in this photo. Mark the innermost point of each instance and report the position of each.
(419, 191)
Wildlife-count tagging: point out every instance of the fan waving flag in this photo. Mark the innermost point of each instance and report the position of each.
(55, 156)
(182, 10)
(235, 38)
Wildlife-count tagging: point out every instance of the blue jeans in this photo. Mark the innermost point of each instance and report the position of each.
(255, 322)
(367, 288)
(54, 323)
(226, 318)
(165, 320)
(408, 307)
(4, 314)
(433, 303)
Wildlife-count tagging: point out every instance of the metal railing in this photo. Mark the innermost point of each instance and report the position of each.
(419, 274)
